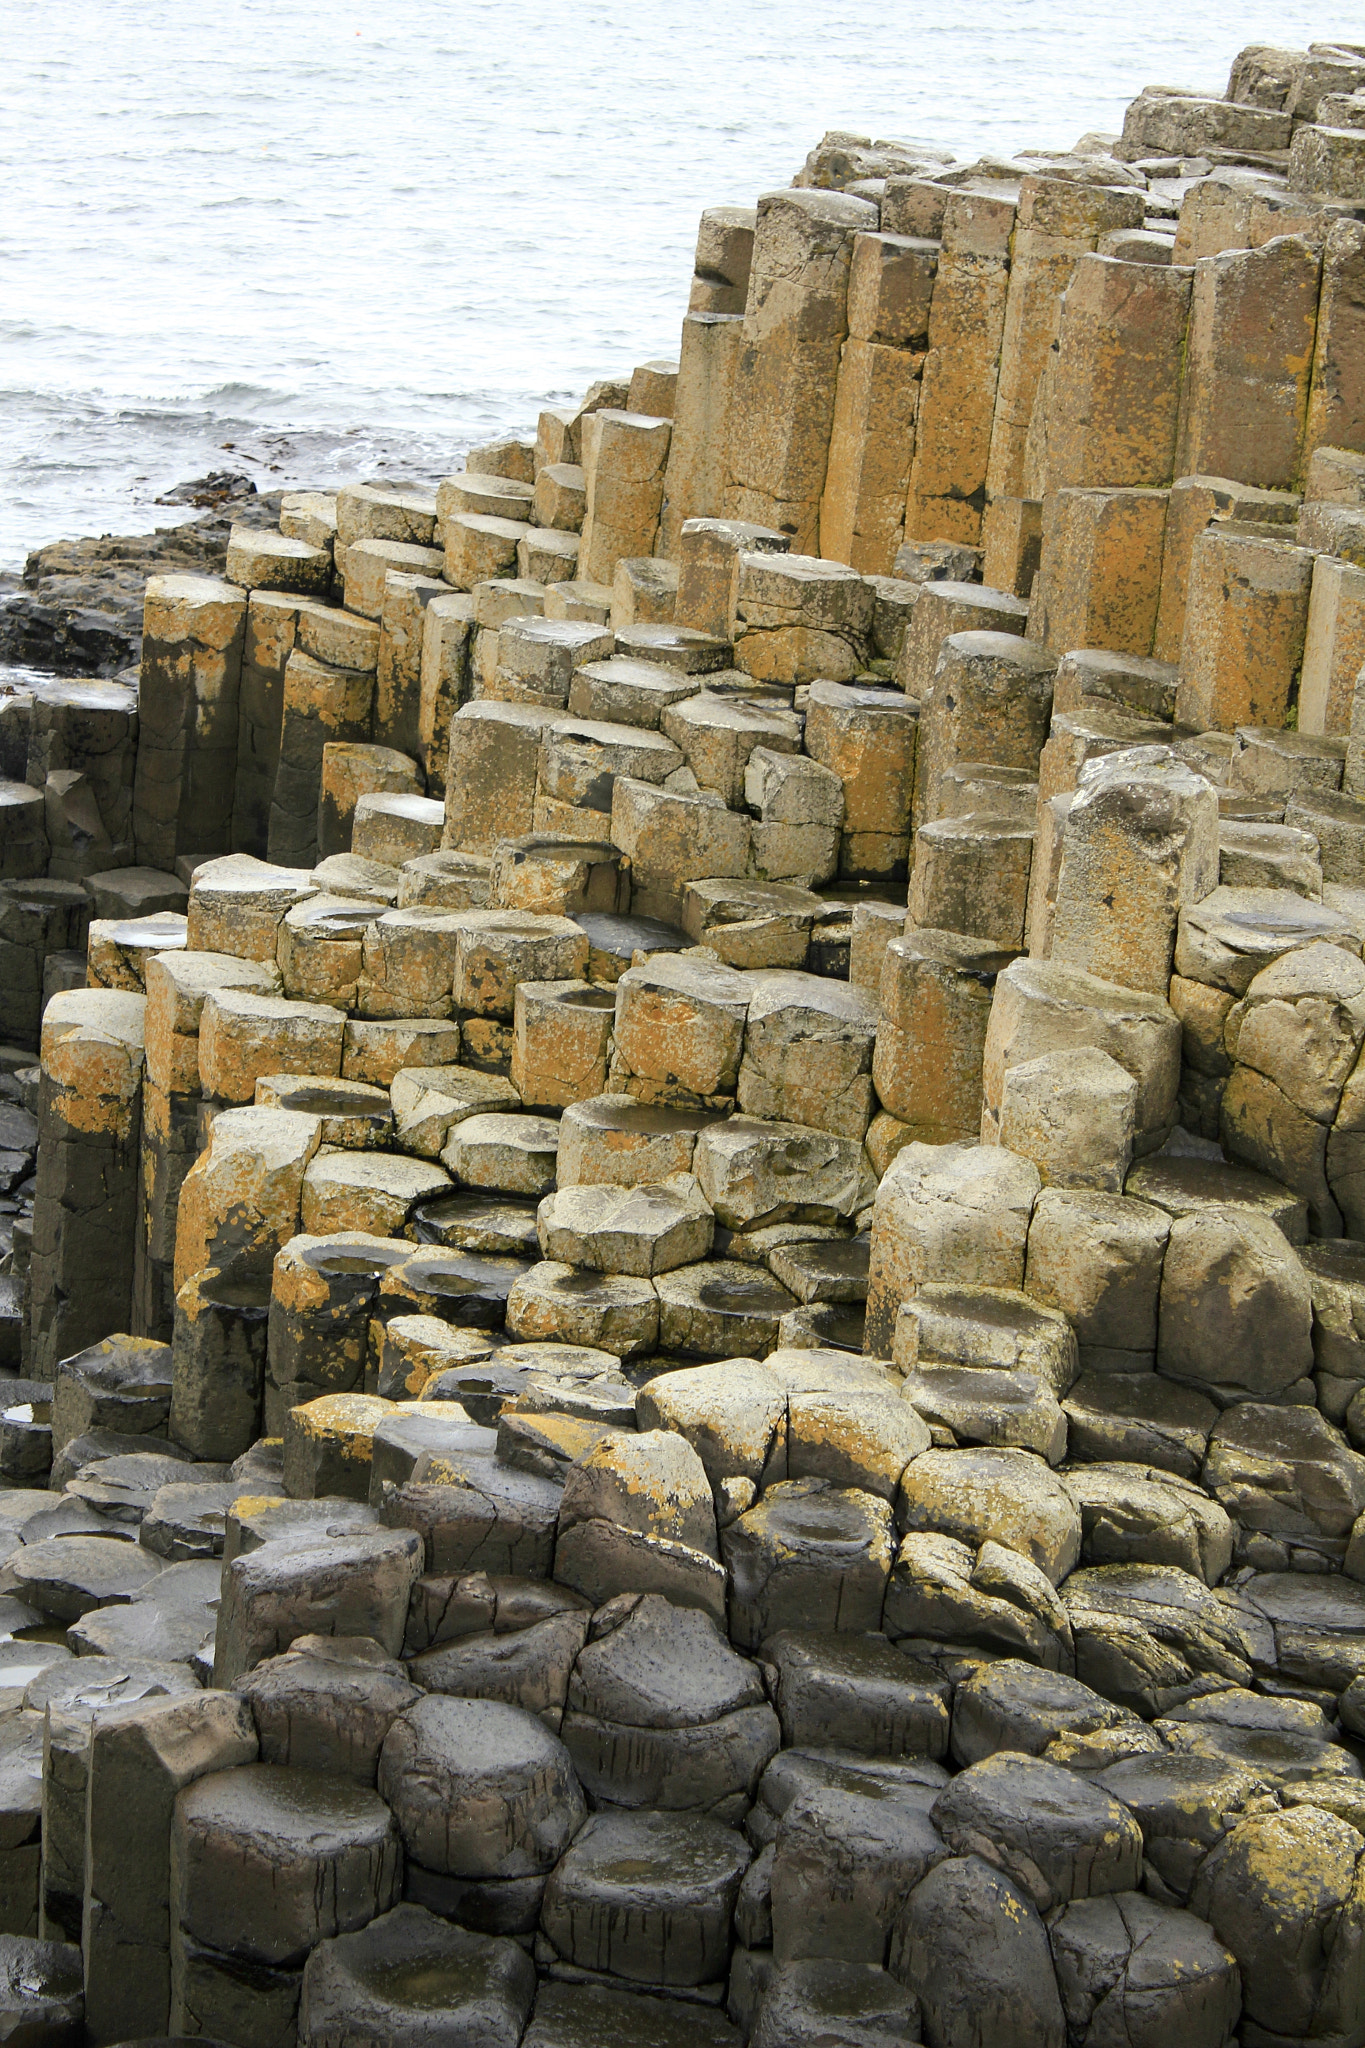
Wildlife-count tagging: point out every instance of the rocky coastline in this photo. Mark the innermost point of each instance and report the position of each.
(77, 611)
(683, 1143)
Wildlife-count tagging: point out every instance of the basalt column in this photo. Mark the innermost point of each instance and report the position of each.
(957, 391)
(85, 1207)
(188, 703)
(1059, 222)
(872, 443)
(795, 324)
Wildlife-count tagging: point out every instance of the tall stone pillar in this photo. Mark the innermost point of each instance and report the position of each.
(782, 408)
(447, 641)
(188, 695)
(624, 458)
(398, 677)
(1245, 622)
(85, 1206)
(1194, 502)
(1110, 402)
(37, 917)
(1099, 577)
(706, 553)
(1244, 401)
(272, 620)
(872, 442)
(1140, 842)
(724, 257)
(141, 1754)
(82, 750)
(989, 699)
(1058, 223)
(168, 1149)
(321, 703)
(694, 481)
(1334, 646)
(1336, 398)
(957, 390)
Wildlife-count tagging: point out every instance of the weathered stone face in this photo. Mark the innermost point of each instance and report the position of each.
(700, 1224)
(1140, 841)
(1227, 1272)
(1042, 1007)
(242, 1199)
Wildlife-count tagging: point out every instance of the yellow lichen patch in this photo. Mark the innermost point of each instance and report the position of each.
(248, 1504)
(349, 1419)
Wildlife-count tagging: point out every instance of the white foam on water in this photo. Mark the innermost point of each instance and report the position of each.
(318, 243)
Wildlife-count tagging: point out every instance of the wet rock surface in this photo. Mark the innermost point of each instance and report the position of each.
(79, 612)
(681, 1166)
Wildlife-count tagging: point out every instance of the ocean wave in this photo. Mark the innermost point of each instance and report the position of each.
(365, 251)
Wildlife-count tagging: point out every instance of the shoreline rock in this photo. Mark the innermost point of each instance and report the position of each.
(696, 1283)
(78, 609)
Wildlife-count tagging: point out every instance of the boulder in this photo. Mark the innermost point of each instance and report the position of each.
(647, 1897)
(266, 1861)
(638, 1515)
(1051, 1831)
(525, 1666)
(974, 1951)
(809, 1554)
(42, 1998)
(1132, 1514)
(1008, 1497)
(1135, 1971)
(1287, 1472)
(823, 2000)
(1014, 1706)
(405, 1978)
(479, 1789)
(640, 1231)
(993, 1601)
(327, 1704)
(1184, 1805)
(587, 2015)
(733, 1413)
(1145, 1632)
(352, 1584)
(662, 1713)
(947, 1213)
(1285, 1894)
(1236, 1313)
(845, 1856)
(856, 1692)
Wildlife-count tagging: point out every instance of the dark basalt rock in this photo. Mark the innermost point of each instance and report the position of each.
(80, 612)
(66, 1576)
(401, 1979)
(598, 2016)
(267, 1861)
(1131, 1969)
(526, 1667)
(1056, 1835)
(648, 1897)
(42, 1993)
(824, 2002)
(470, 1220)
(975, 1952)
(327, 1704)
(479, 1789)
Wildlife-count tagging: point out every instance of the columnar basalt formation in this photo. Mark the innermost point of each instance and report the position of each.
(687, 1216)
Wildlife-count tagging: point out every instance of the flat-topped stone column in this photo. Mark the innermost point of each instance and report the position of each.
(193, 631)
(958, 387)
(85, 1213)
(795, 321)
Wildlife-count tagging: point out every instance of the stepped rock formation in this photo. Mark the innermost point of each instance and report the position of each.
(684, 1160)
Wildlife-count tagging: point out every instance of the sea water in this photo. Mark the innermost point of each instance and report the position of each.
(318, 243)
